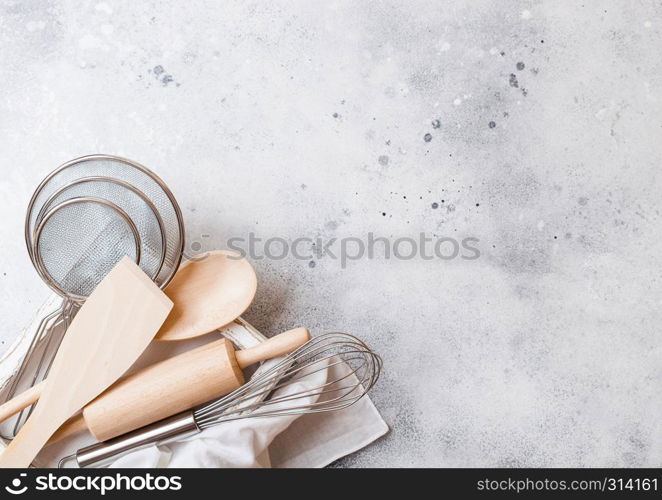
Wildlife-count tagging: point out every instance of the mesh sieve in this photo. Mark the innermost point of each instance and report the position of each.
(79, 241)
(132, 201)
(131, 173)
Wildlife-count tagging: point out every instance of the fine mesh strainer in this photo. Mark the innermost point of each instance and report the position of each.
(131, 173)
(82, 219)
(79, 241)
(129, 199)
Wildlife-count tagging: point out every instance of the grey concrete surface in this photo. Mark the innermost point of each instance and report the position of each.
(311, 119)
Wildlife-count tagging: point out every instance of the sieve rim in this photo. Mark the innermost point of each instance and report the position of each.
(100, 156)
(138, 192)
(41, 267)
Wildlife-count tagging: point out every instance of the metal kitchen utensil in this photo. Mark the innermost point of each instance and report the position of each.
(133, 202)
(110, 332)
(79, 241)
(357, 370)
(113, 188)
(129, 172)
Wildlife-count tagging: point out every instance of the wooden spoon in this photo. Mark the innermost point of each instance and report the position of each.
(111, 330)
(208, 293)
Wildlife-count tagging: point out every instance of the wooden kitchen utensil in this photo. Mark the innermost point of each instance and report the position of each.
(176, 384)
(111, 330)
(208, 293)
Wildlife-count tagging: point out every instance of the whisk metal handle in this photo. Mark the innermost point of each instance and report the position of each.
(162, 432)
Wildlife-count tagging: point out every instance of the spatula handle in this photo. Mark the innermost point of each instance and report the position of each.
(30, 439)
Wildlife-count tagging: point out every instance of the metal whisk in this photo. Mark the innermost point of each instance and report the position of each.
(328, 373)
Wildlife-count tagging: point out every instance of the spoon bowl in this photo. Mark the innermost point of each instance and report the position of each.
(208, 292)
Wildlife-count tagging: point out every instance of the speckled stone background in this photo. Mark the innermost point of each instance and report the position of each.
(306, 119)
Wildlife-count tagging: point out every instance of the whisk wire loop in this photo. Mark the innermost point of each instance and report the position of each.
(346, 368)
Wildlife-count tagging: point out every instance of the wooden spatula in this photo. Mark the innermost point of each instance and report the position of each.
(208, 293)
(111, 330)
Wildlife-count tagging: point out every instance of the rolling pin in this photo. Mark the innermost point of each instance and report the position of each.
(168, 387)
